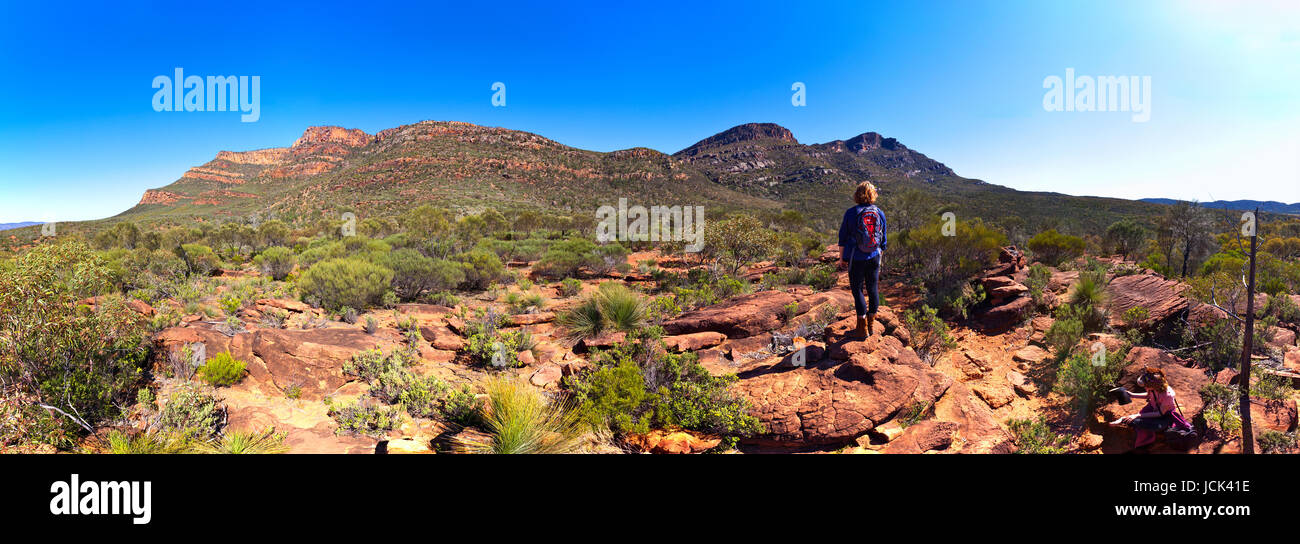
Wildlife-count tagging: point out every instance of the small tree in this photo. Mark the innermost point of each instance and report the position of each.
(1126, 236)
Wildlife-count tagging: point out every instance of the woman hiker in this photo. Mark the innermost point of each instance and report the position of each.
(862, 241)
(1161, 412)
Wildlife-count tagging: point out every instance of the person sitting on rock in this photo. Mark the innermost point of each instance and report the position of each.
(1161, 412)
(862, 242)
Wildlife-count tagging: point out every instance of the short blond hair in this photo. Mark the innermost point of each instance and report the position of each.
(865, 193)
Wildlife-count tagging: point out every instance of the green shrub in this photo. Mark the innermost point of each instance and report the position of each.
(86, 363)
(200, 260)
(942, 264)
(738, 241)
(1085, 382)
(193, 413)
(522, 303)
(414, 274)
(570, 287)
(481, 268)
(1271, 386)
(638, 385)
(565, 259)
(500, 348)
(349, 282)
(1271, 441)
(1217, 344)
(1053, 248)
(362, 418)
(276, 262)
(1035, 437)
(930, 337)
(223, 370)
(1065, 332)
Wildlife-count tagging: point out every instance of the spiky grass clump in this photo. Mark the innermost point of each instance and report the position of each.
(612, 307)
(147, 443)
(246, 442)
(519, 420)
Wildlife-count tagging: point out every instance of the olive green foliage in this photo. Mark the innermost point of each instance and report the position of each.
(943, 264)
(481, 268)
(570, 287)
(1220, 403)
(276, 262)
(223, 370)
(1035, 437)
(84, 362)
(1125, 237)
(1217, 345)
(365, 418)
(199, 259)
(1053, 248)
(1084, 378)
(192, 412)
(519, 420)
(1065, 332)
(1271, 441)
(414, 274)
(930, 336)
(1036, 280)
(637, 386)
(349, 282)
(738, 241)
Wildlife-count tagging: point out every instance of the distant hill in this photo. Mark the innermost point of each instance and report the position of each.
(752, 167)
(7, 226)
(1242, 205)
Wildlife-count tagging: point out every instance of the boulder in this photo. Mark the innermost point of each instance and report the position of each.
(832, 403)
(1162, 298)
(740, 317)
(442, 337)
(660, 441)
(1021, 384)
(694, 341)
(978, 430)
(996, 395)
(546, 375)
(1005, 316)
(265, 304)
(601, 341)
(1031, 354)
(922, 437)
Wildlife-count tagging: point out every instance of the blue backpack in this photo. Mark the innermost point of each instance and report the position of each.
(868, 229)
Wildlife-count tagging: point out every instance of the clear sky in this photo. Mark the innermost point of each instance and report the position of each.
(960, 81)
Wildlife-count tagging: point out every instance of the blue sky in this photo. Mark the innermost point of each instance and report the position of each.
(959, 81)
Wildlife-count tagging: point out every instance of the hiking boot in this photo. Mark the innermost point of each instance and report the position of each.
(863, 329)
(871, 322)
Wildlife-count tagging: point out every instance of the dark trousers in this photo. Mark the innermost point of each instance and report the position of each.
(863, 276)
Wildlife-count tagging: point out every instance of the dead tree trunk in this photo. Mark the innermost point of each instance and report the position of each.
(1247, 341)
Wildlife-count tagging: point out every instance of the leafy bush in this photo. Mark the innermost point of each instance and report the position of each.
(1035, 437)
(200, 260)
(1065, 332)
(1271, 441)
(638, 385)
(414, 274)
(193, 413)
(364, 418)
(481, 268)
(276, 262)
(86, 363)
(522, 303)
(570, 287)
(1053, 248)
(738, 241)
(1037, 279)
(223, 370)
(1271, 386)
(943, 264)
(1217, 345)
(1220, 407)
(498, 348)
(349, 282)
(1085, 382)
(930, 338)
(519, 421)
